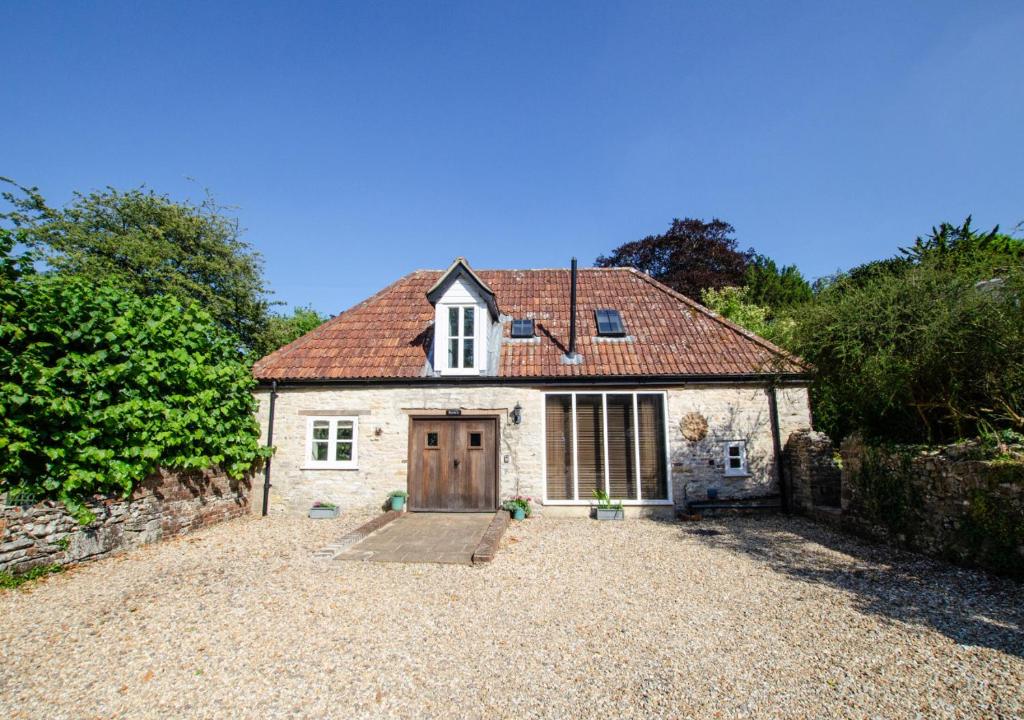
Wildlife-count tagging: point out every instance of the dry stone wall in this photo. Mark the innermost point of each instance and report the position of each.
(957, 502)
(164, 505)
(953, 502)
(813, 476)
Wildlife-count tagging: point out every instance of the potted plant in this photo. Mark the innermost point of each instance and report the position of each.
(519, 507)
(323, 510)
(397, 498)
(606, 509)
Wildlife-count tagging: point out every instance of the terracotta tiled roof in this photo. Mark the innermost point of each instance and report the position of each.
(389, 334)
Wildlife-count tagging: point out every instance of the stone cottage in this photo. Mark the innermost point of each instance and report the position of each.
(466, 387)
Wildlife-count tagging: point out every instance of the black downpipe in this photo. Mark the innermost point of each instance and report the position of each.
(572, 313)
(270, 443)
(773, 413)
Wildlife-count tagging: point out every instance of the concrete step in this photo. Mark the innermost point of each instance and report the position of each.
(770, 504)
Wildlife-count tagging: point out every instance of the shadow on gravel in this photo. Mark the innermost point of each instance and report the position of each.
(970, 607)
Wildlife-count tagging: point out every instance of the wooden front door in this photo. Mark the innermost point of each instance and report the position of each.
(453, 464)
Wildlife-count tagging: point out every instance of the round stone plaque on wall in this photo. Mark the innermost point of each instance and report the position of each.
(694, 426)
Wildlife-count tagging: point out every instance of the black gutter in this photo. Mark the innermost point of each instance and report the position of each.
(270, 444)
(573, 380)
(773, 414)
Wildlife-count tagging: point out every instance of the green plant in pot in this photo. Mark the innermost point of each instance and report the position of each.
(518, 506)
(607, 509)
(323, 510)
(397, 498)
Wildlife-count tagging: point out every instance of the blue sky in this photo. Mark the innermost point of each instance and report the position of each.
(362, 140)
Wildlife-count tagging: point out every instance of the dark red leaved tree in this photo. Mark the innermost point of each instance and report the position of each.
(691, 256)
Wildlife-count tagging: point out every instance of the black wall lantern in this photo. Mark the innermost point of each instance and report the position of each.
(517, 414)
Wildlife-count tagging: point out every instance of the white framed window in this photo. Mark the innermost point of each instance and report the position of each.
(461, 350)
(736, 457)
(332, 443)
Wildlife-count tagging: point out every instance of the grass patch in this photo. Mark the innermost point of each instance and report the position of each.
(9, 581)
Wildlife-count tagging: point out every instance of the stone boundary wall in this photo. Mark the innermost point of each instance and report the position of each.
(812, 474)
(952, 502)
(164, 505)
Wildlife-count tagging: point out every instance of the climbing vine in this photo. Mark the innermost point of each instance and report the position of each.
(888, 496)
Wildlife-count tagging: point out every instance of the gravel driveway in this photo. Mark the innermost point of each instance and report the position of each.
(766, 618)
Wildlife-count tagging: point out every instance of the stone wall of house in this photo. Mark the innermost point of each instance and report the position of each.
(383, 432)
(164, 505)
(729, 413)
(813, 477)
(383, 412)
(946, 502)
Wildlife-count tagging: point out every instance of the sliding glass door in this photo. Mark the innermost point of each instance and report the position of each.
(612, 441)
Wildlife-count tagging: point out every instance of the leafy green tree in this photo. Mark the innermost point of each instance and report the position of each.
(690, 256)
(773, 287)
(734, 303)
(961, 244)
(99, 387)
(928, 346)
(282, 329)
(151, 245)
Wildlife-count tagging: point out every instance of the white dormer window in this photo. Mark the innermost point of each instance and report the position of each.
(465, 309)
(462, 337)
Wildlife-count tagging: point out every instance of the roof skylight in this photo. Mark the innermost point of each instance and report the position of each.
(522, 328)
(609, 323)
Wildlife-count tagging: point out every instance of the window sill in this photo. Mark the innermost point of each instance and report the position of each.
(737, 474)
(329, 466)
(593, 503)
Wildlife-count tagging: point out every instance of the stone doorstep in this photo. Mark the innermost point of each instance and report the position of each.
(423, 546)
(329, 552)
(487, 548)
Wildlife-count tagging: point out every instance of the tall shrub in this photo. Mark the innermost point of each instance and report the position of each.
(99, 387)
(926, 348)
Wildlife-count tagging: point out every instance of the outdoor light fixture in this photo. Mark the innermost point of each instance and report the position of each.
(517, 414)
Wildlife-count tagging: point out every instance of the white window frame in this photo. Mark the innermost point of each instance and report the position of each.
(604, 418)
(743, 470)
(461, 337)
(332, 441)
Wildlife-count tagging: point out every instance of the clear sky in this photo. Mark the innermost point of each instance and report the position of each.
(362, 140)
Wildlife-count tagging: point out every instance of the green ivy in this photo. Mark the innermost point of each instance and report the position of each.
(887, 495)
(100, 387)
(994, 529)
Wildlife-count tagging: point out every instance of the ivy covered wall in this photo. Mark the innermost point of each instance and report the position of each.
(963, 503)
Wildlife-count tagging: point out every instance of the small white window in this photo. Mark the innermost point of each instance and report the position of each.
(736, 457)
(331, 443)
(461, 337)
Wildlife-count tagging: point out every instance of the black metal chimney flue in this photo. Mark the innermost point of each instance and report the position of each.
(572, 313)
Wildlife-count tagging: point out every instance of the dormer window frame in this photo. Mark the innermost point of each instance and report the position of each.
(455, 344)
(460, 288)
